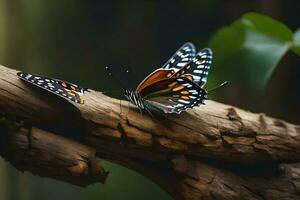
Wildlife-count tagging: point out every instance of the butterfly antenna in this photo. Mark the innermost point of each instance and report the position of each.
(219, 86)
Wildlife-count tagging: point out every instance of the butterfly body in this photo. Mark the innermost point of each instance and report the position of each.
(135, 98)
(67, 90)
(178, 85)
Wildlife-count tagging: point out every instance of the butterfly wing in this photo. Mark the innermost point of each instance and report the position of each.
(61, 88)
(155, 76)
(70, 86)
(173, 95)
(181, 57)
(198, 67)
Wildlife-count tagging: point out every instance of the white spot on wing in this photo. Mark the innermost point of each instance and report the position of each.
(198, 71)
(182, 64)
(183, 101)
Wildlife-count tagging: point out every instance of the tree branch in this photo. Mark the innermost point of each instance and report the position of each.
(46, 154)
(204, 139)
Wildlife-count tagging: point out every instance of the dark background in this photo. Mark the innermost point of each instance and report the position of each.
(75, 40)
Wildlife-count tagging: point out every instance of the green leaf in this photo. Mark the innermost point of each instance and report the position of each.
(296, 45)
(250, 48)
(267, 26)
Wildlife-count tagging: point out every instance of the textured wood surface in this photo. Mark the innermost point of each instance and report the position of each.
(49, 155)
(216, 151)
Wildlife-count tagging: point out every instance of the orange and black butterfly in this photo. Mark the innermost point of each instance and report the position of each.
(61, 88)
(177, 85)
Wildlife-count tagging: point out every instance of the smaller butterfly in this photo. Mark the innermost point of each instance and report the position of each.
(67, 90)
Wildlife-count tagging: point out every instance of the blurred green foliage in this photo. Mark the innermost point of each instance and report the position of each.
(253, 45)
(296, 42)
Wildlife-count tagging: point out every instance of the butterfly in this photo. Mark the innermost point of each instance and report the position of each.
(61, 88)
(177, 85)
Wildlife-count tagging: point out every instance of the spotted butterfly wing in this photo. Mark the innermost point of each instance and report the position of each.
(173, 95)
(180, 58)
(71, 86)
(178, 85)
(197, 69)
(61, 88)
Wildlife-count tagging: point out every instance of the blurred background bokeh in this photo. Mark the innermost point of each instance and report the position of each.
(75, 40)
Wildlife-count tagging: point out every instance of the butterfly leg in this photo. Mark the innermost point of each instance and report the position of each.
(128, 109)
(149, 112)
(141, 111)
(120, 107)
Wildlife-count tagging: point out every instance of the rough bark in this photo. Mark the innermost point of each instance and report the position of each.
(201, 154)
(45, 154)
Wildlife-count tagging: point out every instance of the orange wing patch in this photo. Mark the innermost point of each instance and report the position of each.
(155, 76)
(185, 97)
(178, 88)
(72, 94)
(73, 87)
(189, 77)
(184, 92)
(64, 84)
(172, 84)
